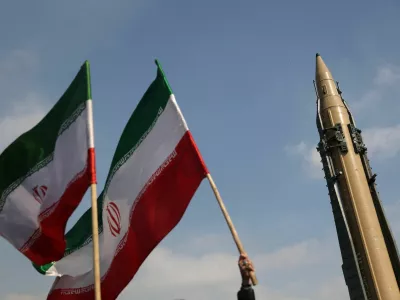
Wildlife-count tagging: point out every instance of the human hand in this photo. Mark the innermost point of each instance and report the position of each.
(245, 267)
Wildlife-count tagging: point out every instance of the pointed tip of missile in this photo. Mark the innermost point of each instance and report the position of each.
(318, 59)
(321, 70)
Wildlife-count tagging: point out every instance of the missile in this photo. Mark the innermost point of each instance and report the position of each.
(371, 265)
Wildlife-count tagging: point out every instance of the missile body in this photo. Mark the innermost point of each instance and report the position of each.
(371, 265)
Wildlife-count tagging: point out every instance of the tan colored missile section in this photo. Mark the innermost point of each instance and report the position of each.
(369, 246)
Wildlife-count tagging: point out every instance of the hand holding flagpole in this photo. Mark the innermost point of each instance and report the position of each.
(230, 224)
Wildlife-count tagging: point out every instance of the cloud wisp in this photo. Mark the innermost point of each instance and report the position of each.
(386, 77)
(22, 297)
(171, 274)
(20, 109)
(21, 117)
(381, 142)
(310, 159)
(307, 270)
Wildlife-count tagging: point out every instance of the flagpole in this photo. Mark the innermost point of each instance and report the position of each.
(230, 223)
(96, 252)
(93, 182)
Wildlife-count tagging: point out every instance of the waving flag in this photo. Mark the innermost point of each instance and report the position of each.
(155, 172)
(45, 173)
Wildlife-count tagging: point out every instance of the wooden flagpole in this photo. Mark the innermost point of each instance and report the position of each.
(93, 182)
(230, 224)
(96, 252)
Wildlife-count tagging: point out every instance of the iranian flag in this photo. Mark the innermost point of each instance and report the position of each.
(155, 172)
(45, 173)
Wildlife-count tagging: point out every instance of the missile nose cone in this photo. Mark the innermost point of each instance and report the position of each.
(321, 70)
(317, 54)
(326, 86)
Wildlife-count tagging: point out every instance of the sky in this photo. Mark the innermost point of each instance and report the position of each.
(242, 74)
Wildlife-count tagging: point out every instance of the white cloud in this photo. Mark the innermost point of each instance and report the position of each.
(309, 252)
(18, 61)
(20, 108)
(21, 117)
(168, 274)
(334, 289)
(296, 270)
(308, 270)
(311, 160)
(367, 101)
(382, 142)
(18, 70)
(22, 297)
(386, 76)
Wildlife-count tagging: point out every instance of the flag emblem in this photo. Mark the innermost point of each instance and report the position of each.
(39, 192)
(113, 218)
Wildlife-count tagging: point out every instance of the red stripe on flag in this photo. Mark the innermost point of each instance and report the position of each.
(157, 212)
(47, 244)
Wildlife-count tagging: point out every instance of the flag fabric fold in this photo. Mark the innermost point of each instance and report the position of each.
(45, 173)
(154, 174)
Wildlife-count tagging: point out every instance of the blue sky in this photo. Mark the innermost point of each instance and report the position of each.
(242, 73)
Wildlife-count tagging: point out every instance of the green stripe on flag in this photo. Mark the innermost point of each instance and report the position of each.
(33, 149)
(88, 79)
(138, 127)
(142, 119)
